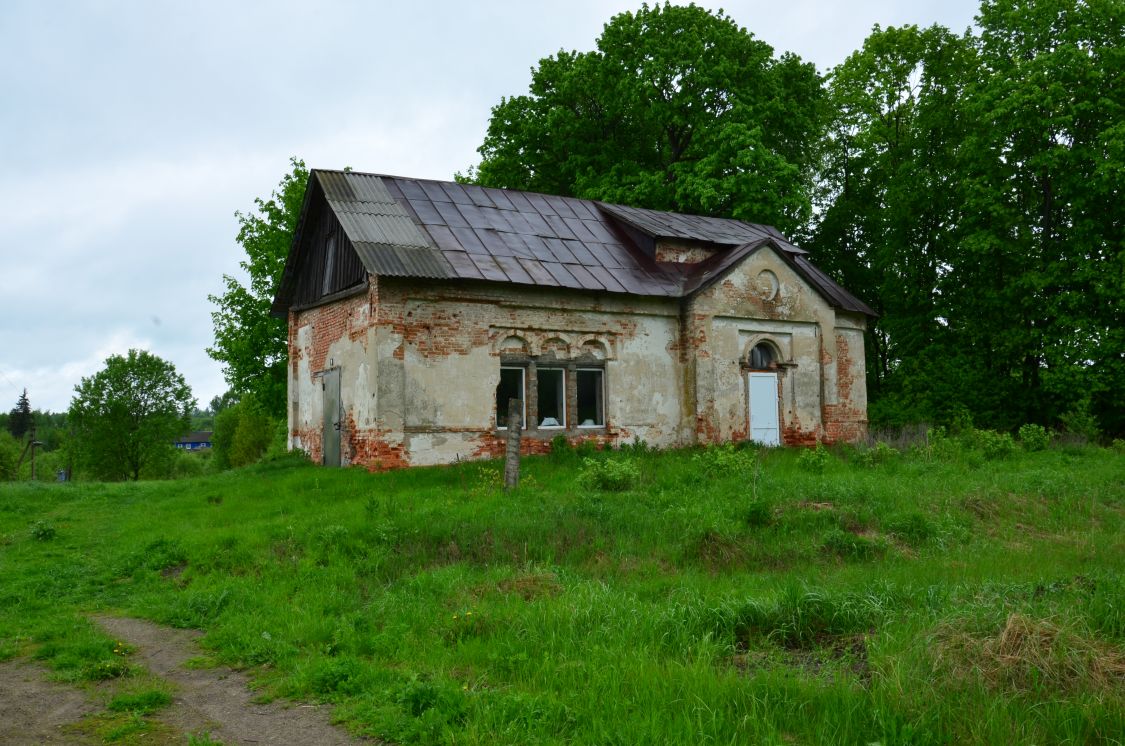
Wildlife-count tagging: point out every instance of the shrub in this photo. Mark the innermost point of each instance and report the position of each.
(991, 444)
(724, 460)
(611, 475)
(9, 456)
(814, 459)
(881, 453)
(560, 446)
(1034, 437)
(1081, 422)
(279, 443)
(759, 512)
(185, 464)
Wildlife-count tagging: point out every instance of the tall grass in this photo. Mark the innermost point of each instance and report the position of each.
(711, 595)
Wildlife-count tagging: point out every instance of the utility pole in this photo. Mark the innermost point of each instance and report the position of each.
(32, 444)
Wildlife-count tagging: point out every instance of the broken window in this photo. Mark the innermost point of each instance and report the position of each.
(591, 409)
(761, 356)
(511, 386)
(551, 389)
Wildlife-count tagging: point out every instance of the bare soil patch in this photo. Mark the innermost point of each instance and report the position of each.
(218, 701)
(34, 710)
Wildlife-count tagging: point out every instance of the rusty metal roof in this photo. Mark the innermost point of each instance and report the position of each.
(444, 230)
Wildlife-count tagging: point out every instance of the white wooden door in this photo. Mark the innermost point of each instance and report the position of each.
(764, 425)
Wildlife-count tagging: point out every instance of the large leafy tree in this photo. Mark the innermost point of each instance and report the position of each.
(127, 416)
(891, 206)
(678, 108)
(252, 345)
(1042, 290)
(972, 191)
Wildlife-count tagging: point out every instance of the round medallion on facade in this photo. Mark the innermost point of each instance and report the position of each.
(768, 286)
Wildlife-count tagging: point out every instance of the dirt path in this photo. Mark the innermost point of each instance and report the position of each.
(217, 701)
(34, 710)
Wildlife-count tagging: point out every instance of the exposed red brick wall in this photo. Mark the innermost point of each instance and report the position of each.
(845, 421)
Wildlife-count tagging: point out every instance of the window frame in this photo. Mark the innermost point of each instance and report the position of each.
(600, 396)
(531, 365)
(502, 418)
(563, 422)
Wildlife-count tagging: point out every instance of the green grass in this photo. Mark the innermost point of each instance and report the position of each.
(719, 596)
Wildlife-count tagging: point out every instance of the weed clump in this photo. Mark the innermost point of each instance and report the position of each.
(159, 554)
(144, 703)
(914, 528)
(43, 531)
(758, 513)
(878, 455)
(1030, 655)
(802, 617)
(609, 475)
(853, 546)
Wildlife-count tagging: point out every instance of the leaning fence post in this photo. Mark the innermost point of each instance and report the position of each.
(512, 454)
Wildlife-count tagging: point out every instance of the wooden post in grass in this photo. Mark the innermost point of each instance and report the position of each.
(512, 454)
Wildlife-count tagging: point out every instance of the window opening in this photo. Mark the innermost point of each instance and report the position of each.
(329, 265)
(511, 386)
(551, 388)
(591, 408)
(761, 356)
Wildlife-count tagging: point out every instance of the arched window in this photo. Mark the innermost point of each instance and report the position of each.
(761, 356)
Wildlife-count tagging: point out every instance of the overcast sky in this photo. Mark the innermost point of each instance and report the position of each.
(130, 133)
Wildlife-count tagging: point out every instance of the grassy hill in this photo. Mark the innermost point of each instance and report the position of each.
(958, 593)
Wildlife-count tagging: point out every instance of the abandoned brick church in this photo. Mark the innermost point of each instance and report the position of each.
(418, 308)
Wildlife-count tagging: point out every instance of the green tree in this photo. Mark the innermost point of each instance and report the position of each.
(890, 208)
(242, 433)
(20, 419)
(252, 345)
(678, 108)
(1042, 275)
(971, 192)
(127, 416)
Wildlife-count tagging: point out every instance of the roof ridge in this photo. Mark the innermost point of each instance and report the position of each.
(598, 202)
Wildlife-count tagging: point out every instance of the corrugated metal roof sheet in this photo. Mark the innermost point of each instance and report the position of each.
(383, 232)
(421, 228)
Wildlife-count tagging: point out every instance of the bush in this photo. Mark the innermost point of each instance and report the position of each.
(610, 475)
(186, 464)
(9, 456)
(1081, 422)
(881, 453)
(279, 445)
(991, 444)
(723, 460)
(759, 512)
(242, 434)
(1034, 437)
(814, 459)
